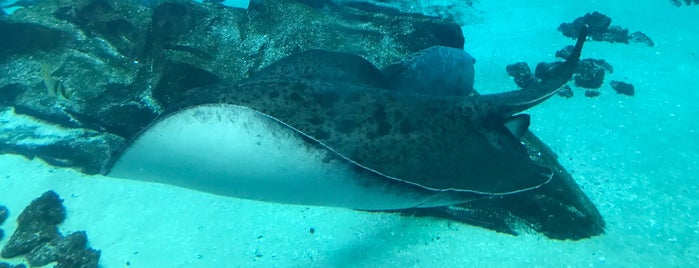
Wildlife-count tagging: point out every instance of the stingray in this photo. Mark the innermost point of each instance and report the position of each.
(330, 129)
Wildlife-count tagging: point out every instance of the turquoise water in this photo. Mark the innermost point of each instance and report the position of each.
(634, 156)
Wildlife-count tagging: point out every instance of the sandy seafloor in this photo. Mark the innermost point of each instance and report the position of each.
(636, 157)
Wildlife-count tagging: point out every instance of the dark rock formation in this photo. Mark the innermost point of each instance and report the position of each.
(566, 92)
(590, 73)
(459, 11)
(685, 2)
(622, 88)
(524, 78)
(42, 255)
(7, 265)
(38, 238)
(591, 93)
(61, 146)
(70, 251)
(640, 37)
(36, 225)
(600, 29)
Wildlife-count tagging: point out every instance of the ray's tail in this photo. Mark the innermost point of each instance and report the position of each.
(512, 102)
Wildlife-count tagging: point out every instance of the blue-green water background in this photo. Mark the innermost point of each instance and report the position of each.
(636, 157)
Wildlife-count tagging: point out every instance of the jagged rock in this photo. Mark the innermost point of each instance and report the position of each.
(36, 225)
(69, 251)
(685, 2)
(640, 37)
(616, 34)
(72, 252)
(524, 78)
(459, 11)
(566, 92)
(80, 148)
(37, 236)
(7, 265)
(72, 242)
(622, 88)
(592, 93)
(42, 255)
(600, 29)
(597, 23)
(590, 73)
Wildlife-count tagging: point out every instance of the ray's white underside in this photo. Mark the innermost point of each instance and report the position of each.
(236, 151)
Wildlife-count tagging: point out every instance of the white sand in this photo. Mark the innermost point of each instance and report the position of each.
(636, 157)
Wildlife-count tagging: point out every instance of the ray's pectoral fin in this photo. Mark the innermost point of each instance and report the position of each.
(318, 64)
(518, 125)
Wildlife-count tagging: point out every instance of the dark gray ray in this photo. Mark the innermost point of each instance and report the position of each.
(325, 128)
(442, 143)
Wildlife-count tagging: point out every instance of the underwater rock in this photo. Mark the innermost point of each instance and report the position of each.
(685, 2)
(598, 24)
(545, 70)
(616, 34)
(73, 250)
(590, 73)
(566, 92)
(600, 29)
(640, 37)
(591, 93)
(520, 71)
(7, 265)
(36, 225)
(79, 148)
(38, 238)
(459, 11)
(42, 255)
(589, 77)
(107, 21)
(178, 77)
(18, 38)
(70, 251)
(622, 88)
